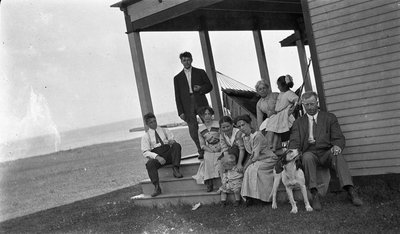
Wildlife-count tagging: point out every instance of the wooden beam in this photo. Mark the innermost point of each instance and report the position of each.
(303, 61)
(211, 72)
(151, 12)
(139, 68)
(262, 60)
(314, 55)
(222, 21)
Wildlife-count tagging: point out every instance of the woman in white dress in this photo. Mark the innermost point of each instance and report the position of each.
(210, 143)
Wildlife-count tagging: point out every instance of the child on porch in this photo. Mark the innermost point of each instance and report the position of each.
(231, 177)
(283, 119)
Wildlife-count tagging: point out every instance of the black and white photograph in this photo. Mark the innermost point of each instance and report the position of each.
(200, 116)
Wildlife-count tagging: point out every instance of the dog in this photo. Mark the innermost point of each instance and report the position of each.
(291, 175)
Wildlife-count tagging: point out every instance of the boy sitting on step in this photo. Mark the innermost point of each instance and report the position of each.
(160, 148)
(231, 177)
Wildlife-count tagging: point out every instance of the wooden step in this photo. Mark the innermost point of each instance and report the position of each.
(187, 198)
(188, 167)
(191, 198)
(175, 185)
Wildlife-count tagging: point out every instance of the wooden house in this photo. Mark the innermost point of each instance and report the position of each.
(355, 51)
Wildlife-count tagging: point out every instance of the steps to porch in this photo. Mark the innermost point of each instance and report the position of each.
(185, 190)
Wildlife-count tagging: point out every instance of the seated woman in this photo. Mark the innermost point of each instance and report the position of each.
(258, 175)
(266, 104)
(231, 137)
(209, 142)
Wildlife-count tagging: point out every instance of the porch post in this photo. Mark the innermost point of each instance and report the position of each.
(303, 61)
(139, 68)
(314, 55)
(212, 75)
(262, 60)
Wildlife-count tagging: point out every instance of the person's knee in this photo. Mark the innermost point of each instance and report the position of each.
(176, 146)
(151, 163)
(306, 158)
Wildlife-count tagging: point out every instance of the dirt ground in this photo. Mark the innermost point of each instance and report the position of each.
(38, 183)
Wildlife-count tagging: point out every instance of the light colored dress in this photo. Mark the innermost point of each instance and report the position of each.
(209, 166)
(259, 177)
(227, 142)
(281, 121)
(266, 106)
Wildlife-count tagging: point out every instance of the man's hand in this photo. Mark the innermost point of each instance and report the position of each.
(161, 160)
(182, 116)
(170, 142)
(336, 150)
(196, 88)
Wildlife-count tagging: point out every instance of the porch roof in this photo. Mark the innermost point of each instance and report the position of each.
(212, 15)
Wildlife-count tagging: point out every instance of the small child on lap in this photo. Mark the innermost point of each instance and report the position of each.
(231, 177)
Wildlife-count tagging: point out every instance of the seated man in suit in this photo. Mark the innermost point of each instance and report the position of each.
(160, 148)
(317, 135)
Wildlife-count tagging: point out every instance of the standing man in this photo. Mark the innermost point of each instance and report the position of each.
(160, 148)
(191, 86)
(319, 137)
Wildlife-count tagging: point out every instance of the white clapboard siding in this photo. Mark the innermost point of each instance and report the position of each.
(381, 123)
(365, 102)
(358, 49)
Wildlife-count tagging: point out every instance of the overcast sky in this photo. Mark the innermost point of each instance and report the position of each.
(67, 64)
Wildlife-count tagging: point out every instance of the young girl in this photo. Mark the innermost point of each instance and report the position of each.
(283, 119)
(231, 137)
(231, 177)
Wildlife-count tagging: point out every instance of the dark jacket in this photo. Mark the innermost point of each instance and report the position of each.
(182, 95)
(328, 133)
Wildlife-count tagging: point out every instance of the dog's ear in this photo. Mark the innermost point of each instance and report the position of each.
(283, 158)
(278, 167)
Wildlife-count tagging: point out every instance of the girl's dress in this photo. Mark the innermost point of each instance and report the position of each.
(259, 177)
(281, 121)
(266, 106)
(209, 166)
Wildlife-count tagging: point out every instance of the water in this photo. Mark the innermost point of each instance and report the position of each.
(113, 132)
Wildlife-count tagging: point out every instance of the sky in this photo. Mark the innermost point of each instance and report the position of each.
(66, 65)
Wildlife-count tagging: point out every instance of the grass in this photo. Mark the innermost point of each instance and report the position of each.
(115, 213)
(90, 189)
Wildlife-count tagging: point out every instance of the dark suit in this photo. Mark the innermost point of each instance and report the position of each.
(328, 134)
(187, 103)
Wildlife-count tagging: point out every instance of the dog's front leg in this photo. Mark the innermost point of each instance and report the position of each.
(305, 197)
(289, 192)
(277, 180)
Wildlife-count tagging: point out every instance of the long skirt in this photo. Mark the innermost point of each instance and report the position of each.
(258, 180)
(209, 168)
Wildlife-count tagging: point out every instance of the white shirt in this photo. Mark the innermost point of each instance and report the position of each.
(311, 137)
(149, 141)
(188, 73)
